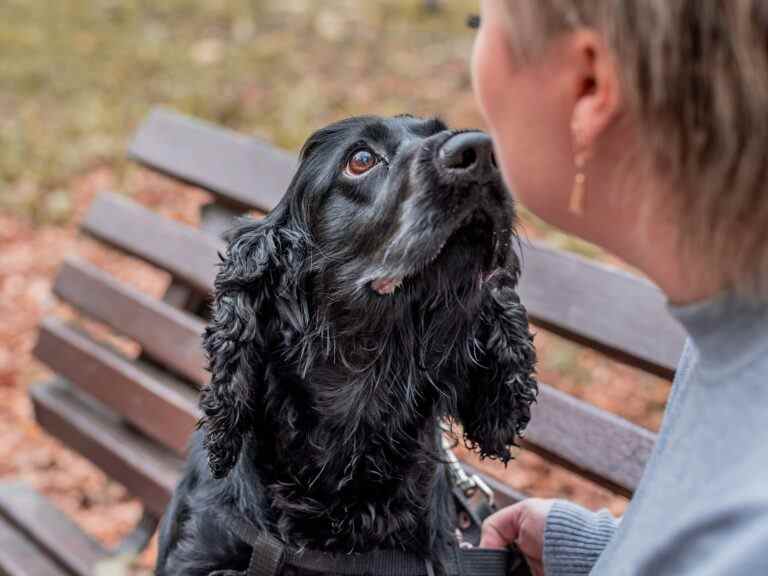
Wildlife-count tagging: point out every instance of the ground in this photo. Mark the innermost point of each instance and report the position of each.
(76, 78)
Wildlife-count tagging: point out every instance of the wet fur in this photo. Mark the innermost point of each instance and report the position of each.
(321, 419)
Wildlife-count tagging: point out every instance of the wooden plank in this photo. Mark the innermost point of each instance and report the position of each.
(185, 252)
(49, 529)
(604, 307)
(100, 437)
(161, 407)
(91, 431)
(242, 170)
(167, 335)
(218, 219)
(594, 443)
(148, 471)
(20, 557)
(215, 220)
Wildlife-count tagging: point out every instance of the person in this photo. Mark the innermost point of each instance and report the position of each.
(642, 126)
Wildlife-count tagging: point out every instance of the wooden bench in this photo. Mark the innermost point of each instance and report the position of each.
(132, 417)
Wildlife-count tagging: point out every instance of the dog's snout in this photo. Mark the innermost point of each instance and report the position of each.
(468, 153)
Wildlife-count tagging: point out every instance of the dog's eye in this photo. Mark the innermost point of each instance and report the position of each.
(360, 162)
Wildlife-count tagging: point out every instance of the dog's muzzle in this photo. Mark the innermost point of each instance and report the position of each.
(465, 160)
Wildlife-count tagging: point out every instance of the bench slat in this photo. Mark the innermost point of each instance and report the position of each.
(597, 444)
(20, 557)
(603, 307)
(185, 252)
(49, 529)
(166, 334)
(592, 442)
(606, 308)
(146, 470)
(156, 404)
(244, 171)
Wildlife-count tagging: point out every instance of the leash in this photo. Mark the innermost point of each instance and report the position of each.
(270, 556)
(472, 496)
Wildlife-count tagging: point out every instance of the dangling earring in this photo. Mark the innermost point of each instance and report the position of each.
(580, 159)
(579, 191)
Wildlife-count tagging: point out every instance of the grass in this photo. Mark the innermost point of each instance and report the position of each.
(77, 76)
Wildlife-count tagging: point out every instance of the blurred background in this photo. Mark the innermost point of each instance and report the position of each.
(77, 77)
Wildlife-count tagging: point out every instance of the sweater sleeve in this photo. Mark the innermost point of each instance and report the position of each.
(574, 538)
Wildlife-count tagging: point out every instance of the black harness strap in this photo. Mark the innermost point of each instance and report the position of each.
(270, 555)
(267, 556)
(471, 511)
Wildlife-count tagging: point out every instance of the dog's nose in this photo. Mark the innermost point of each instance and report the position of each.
(468, 153)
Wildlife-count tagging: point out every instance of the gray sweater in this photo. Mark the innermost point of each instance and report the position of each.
(702, 505)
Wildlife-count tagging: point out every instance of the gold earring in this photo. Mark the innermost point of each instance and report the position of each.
(579, 191)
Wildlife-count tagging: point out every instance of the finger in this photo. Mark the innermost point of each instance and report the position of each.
(502, 528)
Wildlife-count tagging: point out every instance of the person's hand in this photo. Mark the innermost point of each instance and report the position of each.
(523, 525)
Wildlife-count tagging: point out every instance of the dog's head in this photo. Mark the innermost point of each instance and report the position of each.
(390, 225)
(404, 210)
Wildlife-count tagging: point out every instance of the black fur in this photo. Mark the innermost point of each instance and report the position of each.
(321, 418)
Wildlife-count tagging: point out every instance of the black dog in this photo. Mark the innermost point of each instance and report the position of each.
(375, 300)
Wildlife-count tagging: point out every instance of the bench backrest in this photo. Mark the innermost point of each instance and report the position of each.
(133, 416)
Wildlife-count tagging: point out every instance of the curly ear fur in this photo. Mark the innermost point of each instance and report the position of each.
(236, 340)
(494, 406)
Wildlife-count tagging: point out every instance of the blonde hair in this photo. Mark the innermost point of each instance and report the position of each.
(695, 73)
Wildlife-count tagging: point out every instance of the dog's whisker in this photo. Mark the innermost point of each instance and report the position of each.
(319, 474)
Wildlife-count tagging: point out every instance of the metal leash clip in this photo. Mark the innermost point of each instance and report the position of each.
(469, 484)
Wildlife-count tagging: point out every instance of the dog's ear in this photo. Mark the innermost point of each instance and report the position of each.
(237, 338)
(493, 405)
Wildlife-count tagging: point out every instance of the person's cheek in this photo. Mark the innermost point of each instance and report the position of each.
(488, 93)
(489, 69)
(479, 68)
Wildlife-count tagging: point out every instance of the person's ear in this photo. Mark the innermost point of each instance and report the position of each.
(595, 85)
